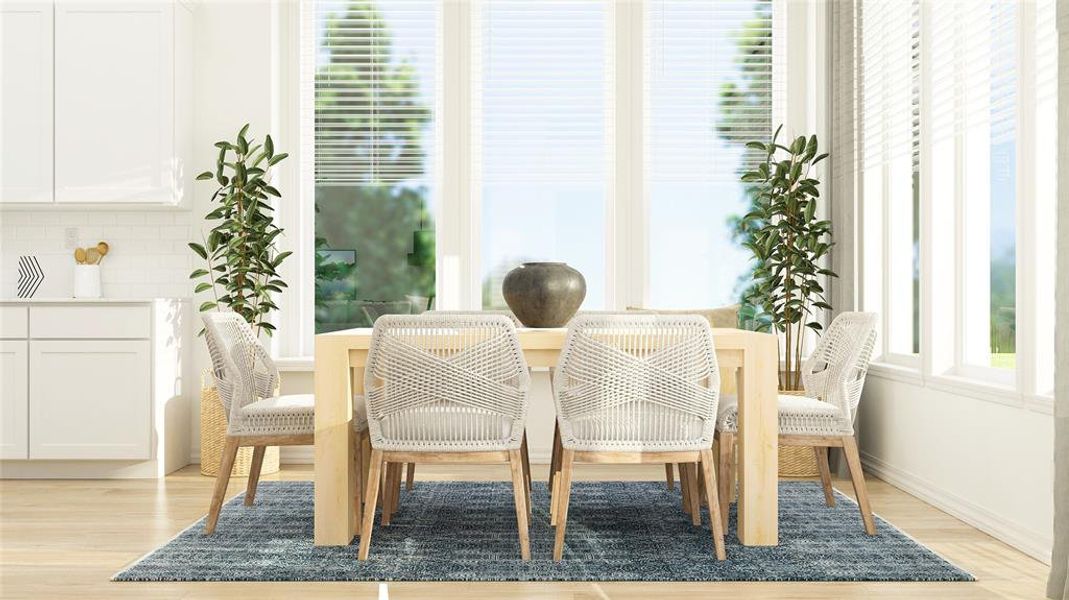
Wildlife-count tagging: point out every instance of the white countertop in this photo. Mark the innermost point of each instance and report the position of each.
(83, 300)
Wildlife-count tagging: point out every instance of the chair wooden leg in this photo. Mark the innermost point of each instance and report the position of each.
(669, 476)
(526, 463)
(365, 457)
(726, 475)
(554, 459)
(565, 490)
(519, 493)
(853, 461)
(358, 501)
(410, 477)
(554, 476)
(702, 499)
(387, 492)
(684, 486)
(254, 474)
(715, 521)
(554, 501)
(370, 499)
(391, 495)
(384, 492)
(825, 474)
(222, 479)
(692, 496)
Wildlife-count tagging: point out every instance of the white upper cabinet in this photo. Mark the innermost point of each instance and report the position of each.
(95, 102)
(26, 102)
(115, 102)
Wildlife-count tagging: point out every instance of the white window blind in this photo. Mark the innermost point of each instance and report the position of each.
(542, 119)
(973, 63)
(890, 152)
(709, 85)
(889, 37)
(372, 115)
(542, 102)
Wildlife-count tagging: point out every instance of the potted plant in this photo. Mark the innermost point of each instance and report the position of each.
(241, 267)
(789, 245)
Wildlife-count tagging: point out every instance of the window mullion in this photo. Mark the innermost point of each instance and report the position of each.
(458, 214)
(1026, 315)
(627, 238)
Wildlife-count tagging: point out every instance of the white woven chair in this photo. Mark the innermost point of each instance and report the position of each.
(833, 377)
(637, 389)
(468, 313)
(444, 388)
(393, 472)
(248, 381)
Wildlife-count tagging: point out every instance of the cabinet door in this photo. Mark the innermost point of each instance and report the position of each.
(115, 102)
(13, 399)
(90, 399)
(25, 102)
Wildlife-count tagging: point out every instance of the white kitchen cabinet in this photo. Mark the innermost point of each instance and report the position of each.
(26, 52)
(96, 103)
(90, 399)
(114, 102)
(94, 388)
(14, 398)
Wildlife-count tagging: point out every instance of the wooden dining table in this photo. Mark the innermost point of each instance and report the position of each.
(753, 357)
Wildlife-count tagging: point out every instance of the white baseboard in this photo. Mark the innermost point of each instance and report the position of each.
(1035, 544)
(82, 469)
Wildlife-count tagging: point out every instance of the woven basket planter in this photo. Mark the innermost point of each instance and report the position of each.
(213, 438)
(797, 461)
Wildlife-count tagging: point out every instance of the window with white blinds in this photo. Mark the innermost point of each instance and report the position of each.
(968, 89)
(375, 89)
(709, 89)
(890, 134)
(542, 141)
(521, 97)
(975, 105)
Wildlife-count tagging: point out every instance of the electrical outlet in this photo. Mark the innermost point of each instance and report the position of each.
(70, 238)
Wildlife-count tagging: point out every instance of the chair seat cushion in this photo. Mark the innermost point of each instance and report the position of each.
(290, 414)
(798, 415)
(443, 428)
(636, 427)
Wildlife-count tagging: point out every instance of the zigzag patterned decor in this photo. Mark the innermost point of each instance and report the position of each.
(30, 277)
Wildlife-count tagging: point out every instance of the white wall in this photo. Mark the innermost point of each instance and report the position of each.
(987, 463)
(234, 85)
(148, 256)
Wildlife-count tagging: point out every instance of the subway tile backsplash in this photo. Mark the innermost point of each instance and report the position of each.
(148, 256)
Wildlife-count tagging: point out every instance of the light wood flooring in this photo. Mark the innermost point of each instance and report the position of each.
(64, 539)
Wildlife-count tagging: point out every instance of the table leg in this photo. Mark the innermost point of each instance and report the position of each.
(335, 476)
(758, 444)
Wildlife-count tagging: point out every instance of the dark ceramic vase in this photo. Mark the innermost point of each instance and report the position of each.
(544, 294)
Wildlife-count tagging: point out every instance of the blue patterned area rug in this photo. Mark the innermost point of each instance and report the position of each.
(466, 531)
